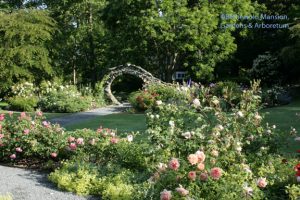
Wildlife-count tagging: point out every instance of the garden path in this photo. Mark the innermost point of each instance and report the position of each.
(79, 117)
(23, 184)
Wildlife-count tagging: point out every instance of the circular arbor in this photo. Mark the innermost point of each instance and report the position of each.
(130, 69)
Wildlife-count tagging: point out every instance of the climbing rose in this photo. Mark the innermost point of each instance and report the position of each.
(73, 146)
(174, 164)
(165, 195)
(46, 124)
(53, 155)
(80, 141)
(200, 166)
(261, 182)
(39, 113)
(192, 175)
(201, 156)
(216, 173)
(183, 192)
(1, 136)
(13, 156)
(203, 176)
(18, 149)
(26, 131)
(193, 159)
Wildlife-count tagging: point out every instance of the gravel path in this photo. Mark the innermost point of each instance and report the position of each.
(79, 117)
(25, 184)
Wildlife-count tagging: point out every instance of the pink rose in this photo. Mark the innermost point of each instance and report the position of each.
(46, 124)
(39, 113)
(18, 149)
(192, 175)
(1, 136)
(203, 176)
(73, 146)
(201, 156)
(80, 141)
(71, 139)
(193, 159)
(201, 166)
(13, 156)
(216, 173)
(165, 195)
(174, 164)
(26, 131)
(53, 155)
(114, 140)
(261, 182)
(183, 192)
(2, 117)
(99, 130)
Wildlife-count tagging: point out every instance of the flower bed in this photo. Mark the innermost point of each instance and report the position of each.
(195, 150)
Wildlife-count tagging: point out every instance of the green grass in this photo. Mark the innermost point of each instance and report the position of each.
(285, 117)
(123, 122)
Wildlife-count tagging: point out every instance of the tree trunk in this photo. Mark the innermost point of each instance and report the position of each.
(92, 56)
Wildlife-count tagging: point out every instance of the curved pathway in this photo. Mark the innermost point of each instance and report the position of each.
(79, 117)
(24, 184)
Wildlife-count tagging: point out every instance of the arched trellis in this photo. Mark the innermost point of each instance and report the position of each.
(130, 69)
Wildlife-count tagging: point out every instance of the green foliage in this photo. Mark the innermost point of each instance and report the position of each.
(24, 35)
(142, 100)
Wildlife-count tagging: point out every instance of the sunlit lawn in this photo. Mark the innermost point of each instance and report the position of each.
(122, 122)
(285, 117)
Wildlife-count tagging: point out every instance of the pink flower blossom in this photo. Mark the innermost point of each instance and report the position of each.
(39, 113)
(13, 156)
(174, 164)
(183, 192)
(26, 131)
(73, 146)
(80, 141)
(53, 155)
(19, 149)
(46, 124)
(203, 176)
(2, 117)
(192, 175)
(201, 156)
(1, 136)
(216, 173)
(201, 166)
(114, 140)
(193, 159)
(71, 139)
(261, 182)
(99, 130)
(165, 195)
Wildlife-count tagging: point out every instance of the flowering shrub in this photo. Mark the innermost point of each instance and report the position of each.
(64, 98)
(23, 97)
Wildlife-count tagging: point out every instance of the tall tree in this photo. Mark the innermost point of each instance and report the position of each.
(24, 36)
(169, 34)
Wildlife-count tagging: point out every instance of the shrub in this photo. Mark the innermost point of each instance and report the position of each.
(63, 98)
(23, 97)
(142, 100)
(275, 96)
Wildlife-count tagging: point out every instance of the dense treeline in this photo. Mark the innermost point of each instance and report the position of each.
(77, 40)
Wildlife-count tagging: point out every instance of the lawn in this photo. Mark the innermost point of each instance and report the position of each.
(122, 122)
(285, 117)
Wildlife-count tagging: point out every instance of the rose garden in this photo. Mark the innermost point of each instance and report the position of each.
(203, 113)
